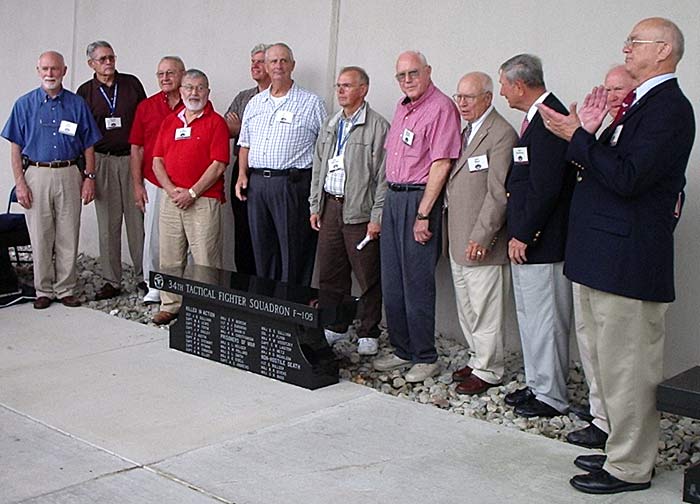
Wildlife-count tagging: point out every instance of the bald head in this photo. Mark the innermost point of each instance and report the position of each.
(474, 95)
(669, 32)
(654, 47)
(413, 74)
(51, 69)
(618, 84)
(54, 56)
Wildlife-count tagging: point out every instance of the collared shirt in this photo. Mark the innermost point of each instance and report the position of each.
(533, 108)
(187, 159)
(129, 92)
(238, 106)
(649, 84)
(35, 121)
(433, 123)
(282, 135)
(144, 131)
(477, 124)
(335, 179)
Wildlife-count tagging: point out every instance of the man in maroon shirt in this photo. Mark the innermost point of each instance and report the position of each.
(112, 98)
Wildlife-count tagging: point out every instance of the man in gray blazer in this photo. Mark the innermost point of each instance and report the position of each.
(478, 245)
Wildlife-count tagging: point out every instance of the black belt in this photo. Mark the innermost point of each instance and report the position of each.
(52, 164)
(406, 187)
(274, 173)
(334, 197)
(119, 153)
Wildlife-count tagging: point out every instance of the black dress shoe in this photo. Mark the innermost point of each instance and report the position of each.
(107, 292)
(518, 397)
(582, 411)
(142, 286)
(535, 408)
(589, 437)
(602, 482)
(590, 463)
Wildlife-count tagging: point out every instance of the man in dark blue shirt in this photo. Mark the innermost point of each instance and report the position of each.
(51, 131)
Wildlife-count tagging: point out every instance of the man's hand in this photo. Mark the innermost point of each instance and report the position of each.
(182, 199)
(590, 118)
(516, 251)
(24, 195)
(241, 186)
(87, 191)
(561, 125)
(476, 252)
(421, 231)
(234, 123)
(595, 107)
(373, 230)
(315, 221)
(140, 197)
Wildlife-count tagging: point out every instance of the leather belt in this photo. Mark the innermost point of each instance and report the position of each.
(406, 187)
(52, 164)
(120, 153)
(334, 197)
(273, 173)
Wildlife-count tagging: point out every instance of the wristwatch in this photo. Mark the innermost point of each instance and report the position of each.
(91, 175)
(420, 216)
(192, 193)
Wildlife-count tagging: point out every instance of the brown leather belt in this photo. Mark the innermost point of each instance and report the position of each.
(333, 197)
(52, 164)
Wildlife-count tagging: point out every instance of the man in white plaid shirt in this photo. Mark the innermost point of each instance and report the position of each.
(277, 139)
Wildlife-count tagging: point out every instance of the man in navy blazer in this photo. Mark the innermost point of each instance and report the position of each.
(624, 211)
(539, 189)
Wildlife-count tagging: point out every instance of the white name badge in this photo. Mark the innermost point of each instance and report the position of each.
(284, 117)
(616, 135)
(68, 128)
(336, 163)
(113, 122)
(520, 155)
(478, 163)
(183, 133)
(407, 136)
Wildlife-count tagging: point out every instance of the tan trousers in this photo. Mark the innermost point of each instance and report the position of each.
(481, 293)
(114, 199)
(54, 228)
(626, 338)
(600, 420)
(197, 228)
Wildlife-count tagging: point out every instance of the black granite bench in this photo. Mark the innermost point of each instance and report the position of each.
(680, 395)
(270, 328)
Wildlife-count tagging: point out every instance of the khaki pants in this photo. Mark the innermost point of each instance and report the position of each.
(197, 228)
(481, 293)
(626, 339)
(114, 198)
(54, 228)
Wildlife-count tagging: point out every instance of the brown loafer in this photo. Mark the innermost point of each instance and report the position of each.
(474, 385)
(462, 374)
(42, 302)
(107, 292)
(71, 301)
(163, 317)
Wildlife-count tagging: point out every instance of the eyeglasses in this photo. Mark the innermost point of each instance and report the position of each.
(469, 98)
(200, 88)
(630, 42)
(167, 73)
(105, 59)
(403, 76)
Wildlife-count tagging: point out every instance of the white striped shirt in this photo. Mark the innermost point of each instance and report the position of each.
(280, 144)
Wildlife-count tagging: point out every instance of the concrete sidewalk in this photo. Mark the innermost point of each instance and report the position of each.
(95, 409)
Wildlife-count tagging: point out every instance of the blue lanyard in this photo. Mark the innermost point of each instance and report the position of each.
(342, 141)
(112, 104)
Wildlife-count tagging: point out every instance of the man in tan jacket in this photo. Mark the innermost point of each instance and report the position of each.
(476, 215)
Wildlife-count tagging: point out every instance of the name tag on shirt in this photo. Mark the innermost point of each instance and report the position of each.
(284, 117)
(478, 163)
(616, 135)
(336, 163)
(183, 133)
(520, 155)
(113, 122)
(68, 128)
(407, 136)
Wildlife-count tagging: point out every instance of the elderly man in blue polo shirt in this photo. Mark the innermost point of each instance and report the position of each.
(51, 131)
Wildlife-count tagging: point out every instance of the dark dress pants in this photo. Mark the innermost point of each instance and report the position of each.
(242, 245)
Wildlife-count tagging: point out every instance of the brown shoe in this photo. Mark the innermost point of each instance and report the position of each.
(163, 317)
(107, 292)
(462, 374)
(71, 301)
(42, 302)
(474, 385)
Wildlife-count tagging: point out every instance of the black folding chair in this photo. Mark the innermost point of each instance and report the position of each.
(14, 234)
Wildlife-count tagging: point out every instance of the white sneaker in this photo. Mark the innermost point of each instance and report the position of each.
(152, 296)
(390, 362)
(367, 346)
(419, 372)
(333, 337)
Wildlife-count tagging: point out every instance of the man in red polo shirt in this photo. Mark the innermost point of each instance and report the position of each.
(189, 159)
(142, 137)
